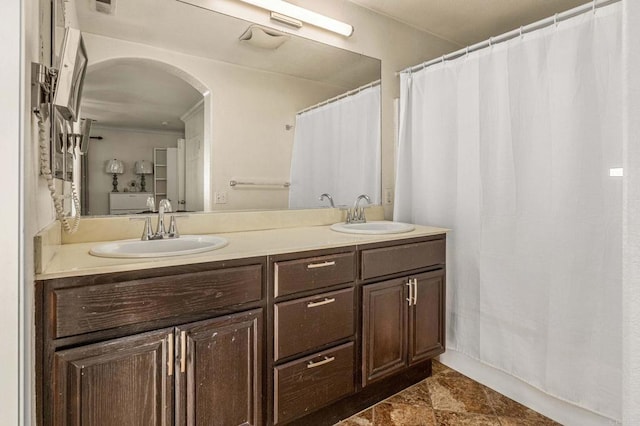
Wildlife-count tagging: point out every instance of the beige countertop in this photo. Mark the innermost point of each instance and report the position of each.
(74, 259)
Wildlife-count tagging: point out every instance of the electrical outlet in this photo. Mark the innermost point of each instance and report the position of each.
(220, 197)
(388, 196)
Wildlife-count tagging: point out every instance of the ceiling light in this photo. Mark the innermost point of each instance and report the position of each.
(304, 15)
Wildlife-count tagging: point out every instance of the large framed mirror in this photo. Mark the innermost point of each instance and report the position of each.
(216, 113)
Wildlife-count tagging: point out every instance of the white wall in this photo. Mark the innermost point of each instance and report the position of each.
(137, 144)
(631, 218)
(11, 368)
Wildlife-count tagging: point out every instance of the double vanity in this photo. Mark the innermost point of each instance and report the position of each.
(293, 325)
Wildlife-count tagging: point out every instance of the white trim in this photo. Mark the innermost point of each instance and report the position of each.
(194, 109)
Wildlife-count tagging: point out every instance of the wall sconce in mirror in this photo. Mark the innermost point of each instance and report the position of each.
(115, 167)
(143, 167)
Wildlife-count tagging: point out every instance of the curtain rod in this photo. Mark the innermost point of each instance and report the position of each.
(344, 95)
(553, 20)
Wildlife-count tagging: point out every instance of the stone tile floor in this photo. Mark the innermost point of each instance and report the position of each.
(447, 398)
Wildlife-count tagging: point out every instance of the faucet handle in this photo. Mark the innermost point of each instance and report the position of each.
(147, 232)
(173, 228)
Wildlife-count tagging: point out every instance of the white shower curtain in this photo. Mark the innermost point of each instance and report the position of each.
(511, 147)
(336, 150)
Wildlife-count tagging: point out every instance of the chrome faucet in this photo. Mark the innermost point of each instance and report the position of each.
(356, 215)
(329, 197)
(164, 206)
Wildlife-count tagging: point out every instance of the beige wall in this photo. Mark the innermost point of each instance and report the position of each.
(127, 145)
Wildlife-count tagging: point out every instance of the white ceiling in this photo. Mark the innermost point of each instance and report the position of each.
(136, 96)
(466, 22)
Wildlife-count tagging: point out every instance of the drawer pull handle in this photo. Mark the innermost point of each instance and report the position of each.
(326, 301)
(326, 360)
(321, 265)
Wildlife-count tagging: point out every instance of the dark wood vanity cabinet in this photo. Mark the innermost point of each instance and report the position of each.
(402, 318)
(401, 325)
(219, 377)
(314, 329)
(201, 363)
(297, 338)
(120, 382)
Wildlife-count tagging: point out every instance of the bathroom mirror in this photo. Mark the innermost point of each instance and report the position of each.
(169, 79)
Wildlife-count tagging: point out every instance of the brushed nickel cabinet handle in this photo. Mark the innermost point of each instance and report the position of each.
(326, 360)
(183, 351)
(170, 358)
(326, 301)
(321, 265)
(410, 298)
(415, 291)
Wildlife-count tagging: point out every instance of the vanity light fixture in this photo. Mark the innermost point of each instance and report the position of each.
(283, 19)
(281, 9)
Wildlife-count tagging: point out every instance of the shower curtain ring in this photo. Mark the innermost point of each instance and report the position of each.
(555, 19)
(490, 41)
(443, 59)
(594, 6)
(521, 31)
(466, 51)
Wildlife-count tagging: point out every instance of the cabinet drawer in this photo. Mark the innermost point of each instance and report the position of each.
(406, 257)
(307, 384)
(304, 324)
(97, 307)
(292, 276)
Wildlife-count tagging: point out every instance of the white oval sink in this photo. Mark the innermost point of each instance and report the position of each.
(375, 227)
(185, 244)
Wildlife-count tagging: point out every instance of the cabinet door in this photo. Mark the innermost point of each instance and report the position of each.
(220, 379)
(384, 319)
(426, 317)
(120, 382)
